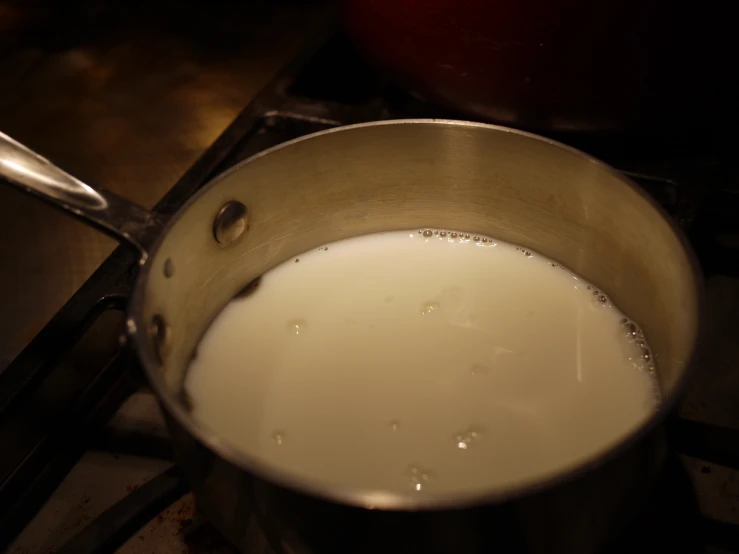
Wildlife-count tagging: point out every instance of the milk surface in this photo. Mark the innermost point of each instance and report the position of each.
(422, 362)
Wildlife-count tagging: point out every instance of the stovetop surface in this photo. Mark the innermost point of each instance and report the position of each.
(121, 452)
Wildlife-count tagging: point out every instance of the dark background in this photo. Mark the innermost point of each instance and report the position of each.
(124, 94)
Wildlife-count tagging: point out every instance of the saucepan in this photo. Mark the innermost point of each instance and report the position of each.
(386, 176)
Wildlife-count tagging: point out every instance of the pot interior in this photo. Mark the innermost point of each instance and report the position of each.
(407, 175)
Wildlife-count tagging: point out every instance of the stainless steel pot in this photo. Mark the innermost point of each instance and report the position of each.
(389, 176)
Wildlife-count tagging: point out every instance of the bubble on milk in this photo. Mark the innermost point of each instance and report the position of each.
(394, 425)
(419, 477)
(465, 438)
(598, 299)
(428, 308)
(278, 437)
(297, 326)
(642, 357)
(453, 236)
(633, 333)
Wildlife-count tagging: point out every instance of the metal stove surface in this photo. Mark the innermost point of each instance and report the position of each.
(117, 488)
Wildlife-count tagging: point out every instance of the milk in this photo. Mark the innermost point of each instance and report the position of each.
(422, 362)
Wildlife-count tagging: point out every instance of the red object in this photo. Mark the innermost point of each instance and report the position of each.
(556, 64)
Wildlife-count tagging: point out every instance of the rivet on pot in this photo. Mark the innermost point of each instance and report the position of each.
(160, 336)
(230, 223)
(168, 268)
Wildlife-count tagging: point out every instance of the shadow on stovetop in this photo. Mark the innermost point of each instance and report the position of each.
(670, 522)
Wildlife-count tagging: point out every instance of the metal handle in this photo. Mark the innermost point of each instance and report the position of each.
(110, 213)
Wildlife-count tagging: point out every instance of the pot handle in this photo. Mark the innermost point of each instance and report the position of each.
(115, 216)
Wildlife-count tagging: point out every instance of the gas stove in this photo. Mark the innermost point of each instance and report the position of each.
(111, 484)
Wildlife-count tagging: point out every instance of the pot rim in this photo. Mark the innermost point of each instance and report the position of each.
(374, 499)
